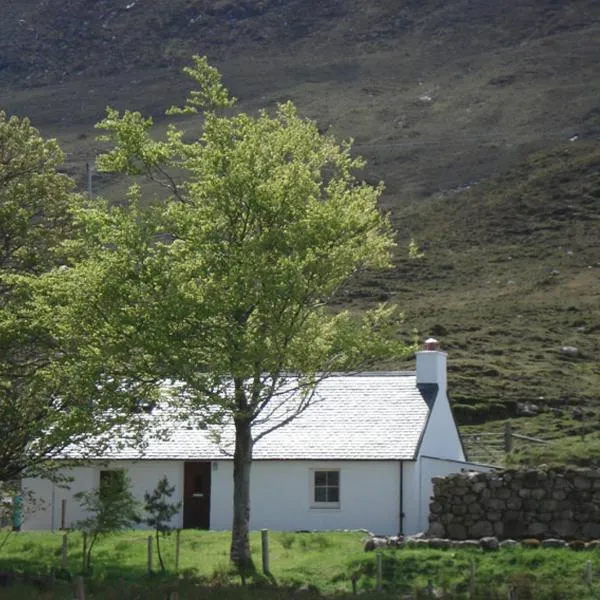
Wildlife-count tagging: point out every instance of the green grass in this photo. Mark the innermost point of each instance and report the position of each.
(317, 563)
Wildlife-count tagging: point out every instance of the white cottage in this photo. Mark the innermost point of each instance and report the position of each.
(361, 456)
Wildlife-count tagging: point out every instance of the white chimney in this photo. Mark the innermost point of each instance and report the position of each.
(431, 365)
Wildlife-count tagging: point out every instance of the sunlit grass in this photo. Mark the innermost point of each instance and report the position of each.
(322, 562)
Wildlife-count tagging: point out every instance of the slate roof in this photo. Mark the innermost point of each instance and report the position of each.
(374, 416)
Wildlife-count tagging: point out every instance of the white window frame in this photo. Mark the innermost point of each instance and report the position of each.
(327, 505)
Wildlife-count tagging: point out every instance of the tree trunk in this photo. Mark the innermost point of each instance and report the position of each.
(242, 459)
(160, 559)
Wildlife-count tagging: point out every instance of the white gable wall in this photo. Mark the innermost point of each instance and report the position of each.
(440, 451)
(441, 438)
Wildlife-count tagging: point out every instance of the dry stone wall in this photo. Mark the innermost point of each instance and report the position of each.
(517, 504)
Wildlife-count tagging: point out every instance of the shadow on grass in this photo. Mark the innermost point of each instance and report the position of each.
(149, 588)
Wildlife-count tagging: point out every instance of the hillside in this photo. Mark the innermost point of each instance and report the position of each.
(483, 119)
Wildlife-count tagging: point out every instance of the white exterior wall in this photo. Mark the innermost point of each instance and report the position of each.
(144, 475)
(281, 493)
(281, 496)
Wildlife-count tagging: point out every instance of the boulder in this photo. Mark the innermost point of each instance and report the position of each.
(570, 351)
(489, 543)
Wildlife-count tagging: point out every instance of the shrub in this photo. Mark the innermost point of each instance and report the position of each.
(111, 506)
(160, 512)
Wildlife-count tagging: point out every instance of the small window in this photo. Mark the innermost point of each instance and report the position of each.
(111, 481)
(326, 488)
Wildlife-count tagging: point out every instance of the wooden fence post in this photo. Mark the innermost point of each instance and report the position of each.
(150, 541)
(508, 437)
(177, 545)
(64, 552)
(354, 588)
(264, 538)
(63, 513)
(79, 588)
(379, 565)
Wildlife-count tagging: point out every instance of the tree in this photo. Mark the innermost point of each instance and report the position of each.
(35, 203)
(160, 512)
(111, 507)
(226, 285)
(51, 392)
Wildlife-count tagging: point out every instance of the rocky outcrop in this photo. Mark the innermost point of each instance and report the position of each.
(517, 504)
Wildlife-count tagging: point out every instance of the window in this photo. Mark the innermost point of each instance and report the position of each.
(111, 482)
(326, 488)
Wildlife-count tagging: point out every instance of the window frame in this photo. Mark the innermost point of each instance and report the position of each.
(312, 487)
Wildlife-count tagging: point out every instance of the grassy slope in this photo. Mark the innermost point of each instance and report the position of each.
(438, 95)
(325, 562)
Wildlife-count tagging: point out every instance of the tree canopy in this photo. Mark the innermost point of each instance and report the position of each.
(225, 286)
(45, 384)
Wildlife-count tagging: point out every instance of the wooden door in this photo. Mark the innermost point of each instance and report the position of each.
(196, 495)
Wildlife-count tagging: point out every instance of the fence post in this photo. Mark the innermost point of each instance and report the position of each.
(264, 538)
(379, 565)
(150, 540)
(177, 544)
(430, 589)
(64, 552)
(354, 588)
(79, 588)
(63, 513)
(508, 438)
(588, 574)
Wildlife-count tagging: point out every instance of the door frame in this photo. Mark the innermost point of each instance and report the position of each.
(190, 518)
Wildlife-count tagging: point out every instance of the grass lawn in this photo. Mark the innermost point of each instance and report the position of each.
(301, 563)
